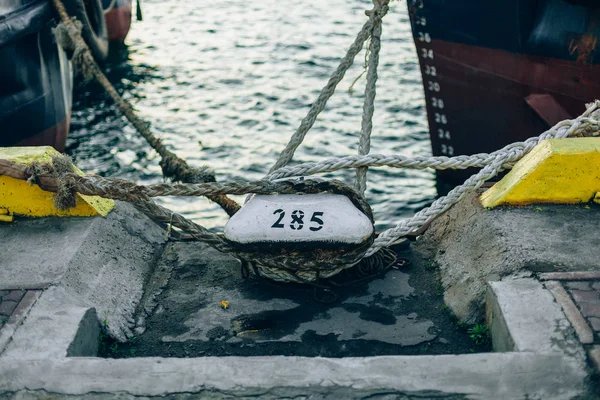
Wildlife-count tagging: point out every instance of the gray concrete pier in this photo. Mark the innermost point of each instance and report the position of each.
(390, 338)
(472, 245)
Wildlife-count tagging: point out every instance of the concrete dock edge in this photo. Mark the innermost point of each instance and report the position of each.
(475, 376)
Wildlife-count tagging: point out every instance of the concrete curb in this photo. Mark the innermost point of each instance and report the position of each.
(570, 276)
(584, 332)
(476, 376)
(523, 316)
(548, 363)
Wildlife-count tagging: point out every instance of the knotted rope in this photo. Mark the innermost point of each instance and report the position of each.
(581, 126)
(276, 263)
(282, 264)
(304, 266)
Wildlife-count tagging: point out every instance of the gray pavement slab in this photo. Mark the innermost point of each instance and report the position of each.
(21, 267)
(55, 328)
(523, 316)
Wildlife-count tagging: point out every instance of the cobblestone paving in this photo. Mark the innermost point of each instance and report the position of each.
(583, 288)
(9, 300)
(586, 295)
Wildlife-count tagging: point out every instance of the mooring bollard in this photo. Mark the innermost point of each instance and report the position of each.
(310, 220)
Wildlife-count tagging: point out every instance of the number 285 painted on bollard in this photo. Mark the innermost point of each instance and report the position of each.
(304, 218)
(297, 220)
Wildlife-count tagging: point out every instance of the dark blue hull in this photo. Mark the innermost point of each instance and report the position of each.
(35, 76)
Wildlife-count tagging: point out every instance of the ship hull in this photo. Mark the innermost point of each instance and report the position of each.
(35, 78)
(55, 136)
(118, 20)
(485, 89)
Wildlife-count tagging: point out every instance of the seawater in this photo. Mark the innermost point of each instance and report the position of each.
(225, 84)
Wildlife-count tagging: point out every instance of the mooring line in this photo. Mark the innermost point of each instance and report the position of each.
(68, 35)
(364, 144)
(381, 8)
(284, 265)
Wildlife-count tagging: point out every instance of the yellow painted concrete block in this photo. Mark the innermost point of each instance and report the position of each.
(22, 198)
(556, 171)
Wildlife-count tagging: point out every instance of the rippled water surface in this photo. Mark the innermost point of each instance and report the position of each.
(227, 83)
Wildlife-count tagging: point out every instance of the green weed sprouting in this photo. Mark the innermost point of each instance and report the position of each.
(480, 334)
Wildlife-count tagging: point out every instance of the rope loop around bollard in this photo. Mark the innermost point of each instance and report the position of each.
(283, 264)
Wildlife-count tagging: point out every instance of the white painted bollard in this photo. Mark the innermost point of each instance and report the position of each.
(307, 220)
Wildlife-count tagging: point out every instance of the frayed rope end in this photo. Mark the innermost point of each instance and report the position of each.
(65, 197)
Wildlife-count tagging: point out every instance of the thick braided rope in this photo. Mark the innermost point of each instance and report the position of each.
(319, 105)
(494, 162)
(69, 35)
(398, 161)
(364, 145)
(581, 126)
(164, 215)
(68, 183)
(302, 267)
(121, 189)
(385, 160)
(586, 125)
(58, 177)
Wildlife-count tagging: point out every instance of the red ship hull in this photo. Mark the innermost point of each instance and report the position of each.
(55, 136)
(118, 20)
(489, 85)
(482, 99)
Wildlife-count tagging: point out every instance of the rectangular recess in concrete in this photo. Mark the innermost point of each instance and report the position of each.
(548, 363)
(398, 312)
(540, 370)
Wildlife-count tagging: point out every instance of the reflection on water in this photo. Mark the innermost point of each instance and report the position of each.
(227, 83)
